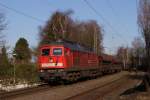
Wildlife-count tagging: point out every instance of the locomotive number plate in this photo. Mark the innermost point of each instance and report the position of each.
(51, 64)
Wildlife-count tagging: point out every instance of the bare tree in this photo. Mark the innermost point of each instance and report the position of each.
(2, 27)
(144, 25)
(122, 54)
(138, 52)
(62, 26)
(92, 36)
(58, 26)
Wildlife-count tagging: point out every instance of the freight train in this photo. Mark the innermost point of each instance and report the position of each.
(70, 61)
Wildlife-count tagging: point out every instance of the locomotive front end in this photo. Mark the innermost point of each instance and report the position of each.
(51, 62)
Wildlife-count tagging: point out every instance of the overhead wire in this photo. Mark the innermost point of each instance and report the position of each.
(136, 2)
(21, 13)
(116, 15)
(40, 20)
(104, 19)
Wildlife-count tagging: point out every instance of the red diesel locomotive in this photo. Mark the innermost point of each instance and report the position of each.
(69, 61)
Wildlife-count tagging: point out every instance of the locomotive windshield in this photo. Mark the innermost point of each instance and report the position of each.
(45, 52)
(57, 51)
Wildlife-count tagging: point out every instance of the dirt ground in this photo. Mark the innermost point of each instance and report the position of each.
(140, 92)
(137, 93)
(112, 91)
(118, 86)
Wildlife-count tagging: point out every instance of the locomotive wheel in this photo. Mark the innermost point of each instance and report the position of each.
(70, 78)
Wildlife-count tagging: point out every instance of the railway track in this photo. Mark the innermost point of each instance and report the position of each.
(32, 90)
(61, 92)
(24, 91)
(100, 92)
(88, 91)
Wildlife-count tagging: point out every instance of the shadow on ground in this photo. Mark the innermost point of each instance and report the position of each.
(142, 87)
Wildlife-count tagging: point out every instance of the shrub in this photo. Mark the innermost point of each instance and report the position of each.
(26, 73)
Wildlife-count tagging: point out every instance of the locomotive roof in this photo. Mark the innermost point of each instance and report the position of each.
(72, 45)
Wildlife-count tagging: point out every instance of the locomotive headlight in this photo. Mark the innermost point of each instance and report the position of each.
(41, 70)
(60, 70)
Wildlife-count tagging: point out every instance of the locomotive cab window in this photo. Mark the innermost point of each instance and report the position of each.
(45, 52)
(57, 51)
